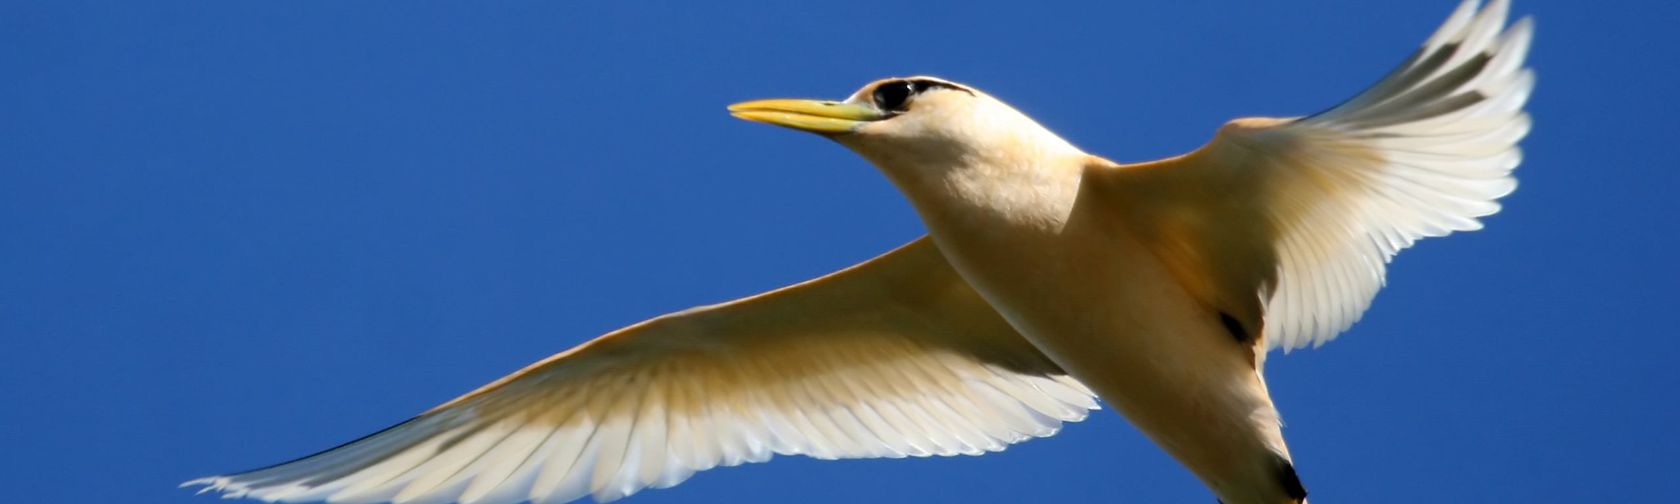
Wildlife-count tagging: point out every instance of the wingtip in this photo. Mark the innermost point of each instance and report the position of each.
(223, 485)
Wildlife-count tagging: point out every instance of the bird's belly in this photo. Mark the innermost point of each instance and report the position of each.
(1107, 311)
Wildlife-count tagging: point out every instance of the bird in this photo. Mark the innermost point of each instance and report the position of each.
(1049, 278)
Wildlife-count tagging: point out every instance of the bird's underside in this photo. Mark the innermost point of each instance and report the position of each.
(1051, 277)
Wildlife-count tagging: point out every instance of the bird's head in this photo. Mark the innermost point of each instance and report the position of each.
(916, 126)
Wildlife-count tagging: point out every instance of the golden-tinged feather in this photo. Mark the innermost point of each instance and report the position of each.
(879, 360)
(1288, 224)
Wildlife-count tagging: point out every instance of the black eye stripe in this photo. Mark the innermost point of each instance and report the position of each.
(921, 85)
(893, 96)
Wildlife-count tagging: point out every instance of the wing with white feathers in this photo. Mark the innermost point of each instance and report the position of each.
(894, 357)
(1288, 225)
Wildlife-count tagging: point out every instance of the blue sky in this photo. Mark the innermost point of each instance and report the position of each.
(232, 233)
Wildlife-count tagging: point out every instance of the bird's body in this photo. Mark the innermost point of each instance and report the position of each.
(1033, 230)
(1137, 338)
(1050, 276)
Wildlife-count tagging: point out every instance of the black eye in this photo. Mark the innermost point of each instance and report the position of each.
(891, 96)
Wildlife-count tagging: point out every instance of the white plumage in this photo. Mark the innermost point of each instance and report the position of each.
(859, 374)
(1050, 276)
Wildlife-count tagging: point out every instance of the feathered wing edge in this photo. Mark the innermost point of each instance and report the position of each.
(1425, 152)
(1287, 225)
(891, 358)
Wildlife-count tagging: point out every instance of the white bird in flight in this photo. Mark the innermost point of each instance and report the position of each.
(1049, 277)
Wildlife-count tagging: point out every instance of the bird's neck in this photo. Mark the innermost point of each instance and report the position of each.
(1027, 187)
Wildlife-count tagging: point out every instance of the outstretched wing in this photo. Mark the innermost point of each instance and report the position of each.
(1288, 224)
(890, 358)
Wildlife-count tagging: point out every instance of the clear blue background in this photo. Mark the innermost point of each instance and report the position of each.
(232, 233)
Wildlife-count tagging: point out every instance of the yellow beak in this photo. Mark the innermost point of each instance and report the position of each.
(816, 116)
